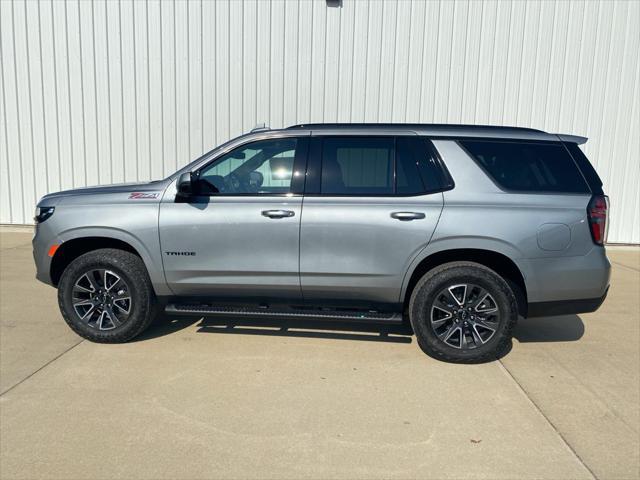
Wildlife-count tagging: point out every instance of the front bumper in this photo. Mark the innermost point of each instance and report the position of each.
(42, 241)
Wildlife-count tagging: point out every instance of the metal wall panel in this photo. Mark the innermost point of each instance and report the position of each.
(113, 91)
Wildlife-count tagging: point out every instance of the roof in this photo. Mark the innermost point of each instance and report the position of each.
(440, 130)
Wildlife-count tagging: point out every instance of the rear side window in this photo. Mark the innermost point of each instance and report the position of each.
(357, 166)
(528, 167)
(370, 166)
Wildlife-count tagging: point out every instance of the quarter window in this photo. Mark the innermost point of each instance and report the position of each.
(590, 174)
(522, 166)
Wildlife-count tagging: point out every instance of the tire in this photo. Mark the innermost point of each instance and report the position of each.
(477, 331)
(102, 313)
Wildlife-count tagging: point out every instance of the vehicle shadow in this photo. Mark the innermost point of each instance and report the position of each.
(167, 325)
(566, 328)
(563, 328)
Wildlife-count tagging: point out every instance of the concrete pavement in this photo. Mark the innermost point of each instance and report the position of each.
(199, 398)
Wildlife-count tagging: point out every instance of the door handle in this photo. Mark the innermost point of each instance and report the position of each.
(406, 216)
(277, 213)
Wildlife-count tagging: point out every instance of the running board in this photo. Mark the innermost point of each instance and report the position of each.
(300, 313)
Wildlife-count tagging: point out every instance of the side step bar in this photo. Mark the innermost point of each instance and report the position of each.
(299, 313)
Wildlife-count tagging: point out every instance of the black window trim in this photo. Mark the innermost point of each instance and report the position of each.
(314, 168)
(459, 141)
(596, 189)
(446, 180)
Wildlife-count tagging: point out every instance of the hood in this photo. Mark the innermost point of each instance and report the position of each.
(157, 186)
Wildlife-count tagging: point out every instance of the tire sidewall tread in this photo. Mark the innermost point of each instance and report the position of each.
(463, 272)
(132, 268)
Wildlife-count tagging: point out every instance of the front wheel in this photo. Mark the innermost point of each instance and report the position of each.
(106, 296)
(463, 312)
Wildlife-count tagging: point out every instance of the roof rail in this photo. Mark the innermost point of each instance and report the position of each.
(413, 125)
(259, 127)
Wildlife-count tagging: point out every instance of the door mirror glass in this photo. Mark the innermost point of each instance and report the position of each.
(185, 185)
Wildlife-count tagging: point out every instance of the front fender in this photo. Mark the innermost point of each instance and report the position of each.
(148, 248)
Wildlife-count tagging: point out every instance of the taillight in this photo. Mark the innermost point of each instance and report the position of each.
(597, 214)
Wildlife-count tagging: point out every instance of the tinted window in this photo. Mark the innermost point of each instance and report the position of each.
(357, 166)
(416, 170)
(587, 169)
(537, 167)
(264, 167)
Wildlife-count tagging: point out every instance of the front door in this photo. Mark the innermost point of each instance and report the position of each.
(238, 236)
(371, 209)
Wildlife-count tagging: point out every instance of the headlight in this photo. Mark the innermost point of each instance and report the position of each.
(42, 213)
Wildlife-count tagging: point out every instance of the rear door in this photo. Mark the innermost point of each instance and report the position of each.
(371, 205)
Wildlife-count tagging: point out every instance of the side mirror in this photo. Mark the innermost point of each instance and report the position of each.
(185, 185)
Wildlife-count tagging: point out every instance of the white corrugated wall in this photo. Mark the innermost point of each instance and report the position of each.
(113, 91)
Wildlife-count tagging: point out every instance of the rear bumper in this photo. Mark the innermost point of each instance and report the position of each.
(565, 307)
(578, 278)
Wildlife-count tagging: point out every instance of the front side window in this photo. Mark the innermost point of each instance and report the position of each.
(264, 167)
(528, 167)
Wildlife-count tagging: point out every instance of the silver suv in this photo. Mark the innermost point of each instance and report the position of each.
(459, 229)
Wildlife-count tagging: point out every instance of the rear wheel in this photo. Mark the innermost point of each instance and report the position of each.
(463, 312)
(106, 296)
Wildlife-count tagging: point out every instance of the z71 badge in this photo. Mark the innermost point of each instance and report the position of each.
(143, 195)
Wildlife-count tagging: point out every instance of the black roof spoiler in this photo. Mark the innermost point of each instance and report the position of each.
(572, 138)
